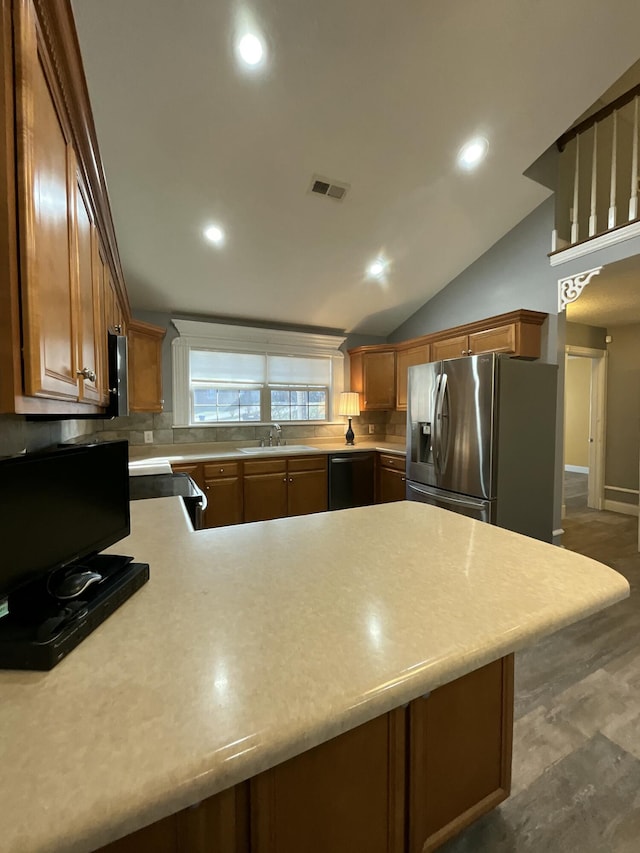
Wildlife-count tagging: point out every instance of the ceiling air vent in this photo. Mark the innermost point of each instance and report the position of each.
(332, 189)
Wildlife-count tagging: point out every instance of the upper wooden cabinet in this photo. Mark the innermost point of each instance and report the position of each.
(373, 375)
(379, 373)
(145, 366)
(518, 339)
(57, 243)
(406, 358)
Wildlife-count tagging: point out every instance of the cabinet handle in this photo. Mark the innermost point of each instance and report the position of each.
(117, 328)
(207, 487)
(284, 479)
(291, 479)
(86, 373)
(402, 479)
(222, 470)
(469, 352)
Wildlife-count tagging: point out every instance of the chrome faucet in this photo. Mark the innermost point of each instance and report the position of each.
(278, 430)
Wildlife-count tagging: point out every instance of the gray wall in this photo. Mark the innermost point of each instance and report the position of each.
(623, 412)
(581, 335)
(513, 273)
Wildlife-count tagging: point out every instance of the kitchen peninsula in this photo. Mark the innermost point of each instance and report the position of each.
(256, 647)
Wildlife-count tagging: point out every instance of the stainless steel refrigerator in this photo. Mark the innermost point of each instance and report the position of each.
(481, 440)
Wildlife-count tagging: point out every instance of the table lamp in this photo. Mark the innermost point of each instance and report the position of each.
(349, 405)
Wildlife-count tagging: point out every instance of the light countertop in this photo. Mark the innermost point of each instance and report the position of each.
(233, 450)
(253, 643)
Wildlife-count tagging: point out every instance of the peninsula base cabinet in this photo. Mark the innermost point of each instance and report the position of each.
(405, 782)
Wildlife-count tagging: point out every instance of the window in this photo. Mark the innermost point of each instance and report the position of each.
(231, 374)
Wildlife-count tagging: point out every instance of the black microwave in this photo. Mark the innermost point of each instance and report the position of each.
(118, 366)
(117, 373)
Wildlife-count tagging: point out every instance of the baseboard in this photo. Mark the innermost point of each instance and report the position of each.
(576, 469)
(618, 506)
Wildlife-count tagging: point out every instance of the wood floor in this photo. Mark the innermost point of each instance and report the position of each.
(576, 757)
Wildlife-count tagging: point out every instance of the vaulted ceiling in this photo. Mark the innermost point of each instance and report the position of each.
(376, 94)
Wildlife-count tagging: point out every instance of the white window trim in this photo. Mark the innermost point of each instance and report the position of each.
(198, 334)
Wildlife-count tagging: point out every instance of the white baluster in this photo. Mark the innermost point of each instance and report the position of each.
(633, 201)
(614, 163)
(574, 211)
(592, 217)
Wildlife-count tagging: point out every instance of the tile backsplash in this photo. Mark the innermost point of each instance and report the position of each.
(133, 428)
(17, 434)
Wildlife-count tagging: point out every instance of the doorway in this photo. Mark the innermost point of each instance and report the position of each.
(584, 428)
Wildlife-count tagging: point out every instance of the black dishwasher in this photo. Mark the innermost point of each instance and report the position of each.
(351, 478)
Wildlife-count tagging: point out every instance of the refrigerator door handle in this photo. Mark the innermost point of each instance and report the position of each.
(444, 417)
(435, 428)
(440, 392)
(468, 502)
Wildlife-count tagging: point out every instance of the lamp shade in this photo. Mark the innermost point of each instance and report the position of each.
(349, 403)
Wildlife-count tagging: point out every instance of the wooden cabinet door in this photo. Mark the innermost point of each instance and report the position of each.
(450, 348)
(90, 329)
(145, 365)
(46, 182)
(224, 501)
(307, 492)
(223, 488)
(460, 754)
(345, 795)
(265, 496)
(219, 824)
(379, 379)
(159, 837)
(392, 486)
(404, 360)
(500, 339)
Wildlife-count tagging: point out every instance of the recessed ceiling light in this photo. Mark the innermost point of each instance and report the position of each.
(214, 234)
(473, 153)
(377, 268)
(251, 49)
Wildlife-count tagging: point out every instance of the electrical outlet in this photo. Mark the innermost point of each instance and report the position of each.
(372, 429)
(148, 436)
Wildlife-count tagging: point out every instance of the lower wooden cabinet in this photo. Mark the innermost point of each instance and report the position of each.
(265, 489)
(219, 824)
(307, 485)
(460, 754)
(415, 776)
(277, 488)
(343, 796)
(391, 480)
(259, 489)
(223, 488)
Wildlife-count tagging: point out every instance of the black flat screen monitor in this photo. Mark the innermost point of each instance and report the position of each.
(58, 506)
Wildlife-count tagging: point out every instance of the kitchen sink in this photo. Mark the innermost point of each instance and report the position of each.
(283, 448)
